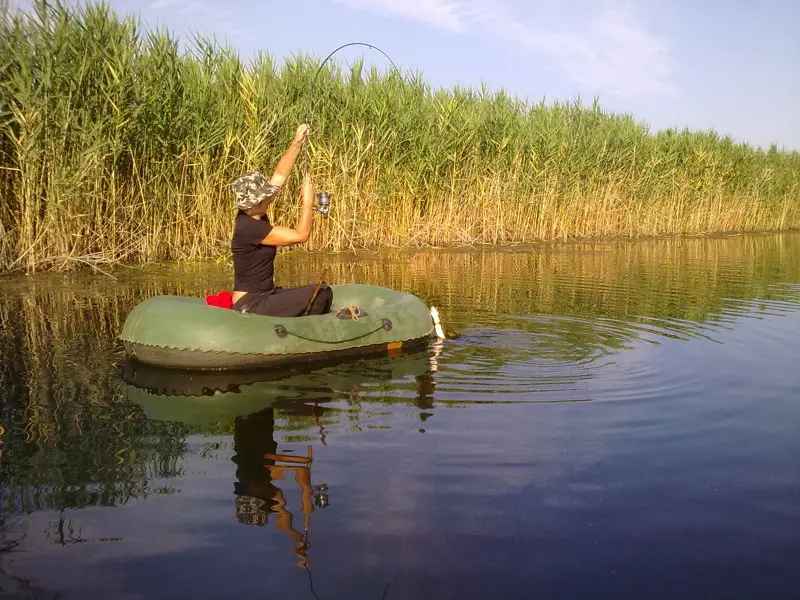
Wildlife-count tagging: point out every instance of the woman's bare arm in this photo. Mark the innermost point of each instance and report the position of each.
(286, 163)
(287, 236)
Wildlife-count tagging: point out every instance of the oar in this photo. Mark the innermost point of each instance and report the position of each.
(316, 291)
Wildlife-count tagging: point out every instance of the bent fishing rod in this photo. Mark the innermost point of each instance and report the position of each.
(311, 89)
(323, 197)
(324, 62)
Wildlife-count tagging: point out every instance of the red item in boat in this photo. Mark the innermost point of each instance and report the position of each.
(223, 300)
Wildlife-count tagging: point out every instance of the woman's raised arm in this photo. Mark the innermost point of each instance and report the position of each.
(287, 236)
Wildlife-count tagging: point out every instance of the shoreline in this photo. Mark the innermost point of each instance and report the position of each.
(293, 256)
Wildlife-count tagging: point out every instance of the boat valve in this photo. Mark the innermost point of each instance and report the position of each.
(323, 203)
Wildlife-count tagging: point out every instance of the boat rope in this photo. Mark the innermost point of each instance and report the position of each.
(282, 332)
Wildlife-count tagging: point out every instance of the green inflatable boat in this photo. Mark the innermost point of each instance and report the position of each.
(186, 333)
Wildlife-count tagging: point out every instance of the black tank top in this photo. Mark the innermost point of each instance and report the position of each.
(253, 262)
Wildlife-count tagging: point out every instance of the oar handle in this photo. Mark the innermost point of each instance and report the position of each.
(316, 291)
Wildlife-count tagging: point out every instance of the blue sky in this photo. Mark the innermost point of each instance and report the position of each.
(730, 65)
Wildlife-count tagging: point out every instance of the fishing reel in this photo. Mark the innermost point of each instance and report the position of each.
(320, 497)
(323, 203)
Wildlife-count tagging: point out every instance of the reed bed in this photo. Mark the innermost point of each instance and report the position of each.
(116, 145)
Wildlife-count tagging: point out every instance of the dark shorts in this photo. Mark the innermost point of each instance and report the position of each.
(286, 302)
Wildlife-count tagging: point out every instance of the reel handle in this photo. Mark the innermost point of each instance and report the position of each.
(323, 203)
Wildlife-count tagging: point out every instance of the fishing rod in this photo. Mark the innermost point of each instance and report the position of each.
(324, 198)
(324, 62)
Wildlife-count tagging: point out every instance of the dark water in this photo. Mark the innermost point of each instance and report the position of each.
(610, 420)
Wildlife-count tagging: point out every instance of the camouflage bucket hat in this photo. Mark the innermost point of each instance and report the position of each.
(252, 188)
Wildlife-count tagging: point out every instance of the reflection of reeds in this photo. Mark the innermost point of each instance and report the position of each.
(68, 426)
(117, 147)
(71, 439)
(685, 277)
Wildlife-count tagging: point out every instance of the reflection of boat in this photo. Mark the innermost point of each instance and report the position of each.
(250, 399)
(183, 332)
(206, 397)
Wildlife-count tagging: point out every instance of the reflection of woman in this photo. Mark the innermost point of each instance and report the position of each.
(256, 494)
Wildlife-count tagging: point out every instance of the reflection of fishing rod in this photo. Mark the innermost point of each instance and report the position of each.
(323, 197)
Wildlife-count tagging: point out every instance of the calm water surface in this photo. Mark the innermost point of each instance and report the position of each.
(607, 420)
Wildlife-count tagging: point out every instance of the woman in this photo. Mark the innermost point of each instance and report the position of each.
(255, 243)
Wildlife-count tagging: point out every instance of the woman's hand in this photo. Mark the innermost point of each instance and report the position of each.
(301, 135)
